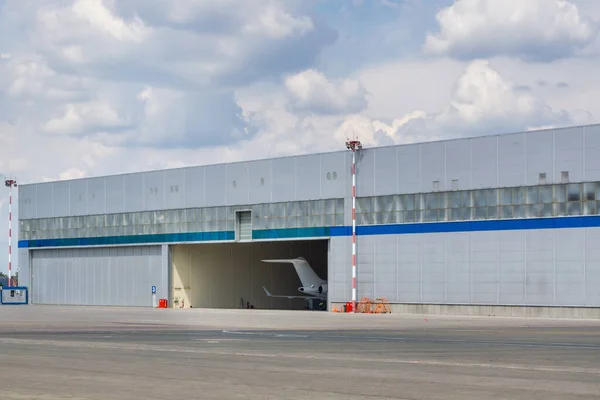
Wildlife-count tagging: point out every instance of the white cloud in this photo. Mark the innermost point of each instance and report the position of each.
(277, 23)
(101, 18)
(400, 87)
(563, 84)
(478, 100)
(311, 91)
(187, 43)
(29, 77)
(482, 102)
(483, 96)
(532, 29)
(84, 63)
(189, 119)
(72, 173)
(85, 117)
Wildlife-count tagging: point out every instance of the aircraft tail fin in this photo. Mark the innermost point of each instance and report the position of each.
(307, 275)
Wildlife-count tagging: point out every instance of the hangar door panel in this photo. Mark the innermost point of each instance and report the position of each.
(118, 276)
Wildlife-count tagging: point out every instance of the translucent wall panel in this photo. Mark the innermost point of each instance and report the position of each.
(521, 202)
(303, 214)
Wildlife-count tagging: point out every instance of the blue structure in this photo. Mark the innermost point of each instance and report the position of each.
(506, 220)
(14, 295)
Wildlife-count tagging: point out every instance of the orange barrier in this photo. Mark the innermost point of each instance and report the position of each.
(383, 307)
(368, 306)
(364, 306)
(162, 303)
(349, 306)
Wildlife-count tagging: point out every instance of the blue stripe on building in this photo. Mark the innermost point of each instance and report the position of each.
(293, 233)
(434, 227)
(132, 239)
(365, 230)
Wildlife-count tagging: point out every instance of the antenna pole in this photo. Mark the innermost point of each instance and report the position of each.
(9, 184)
(353, 145)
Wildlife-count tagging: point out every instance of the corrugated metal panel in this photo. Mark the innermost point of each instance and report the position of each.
(409, 169)
(335, 174)
(215, 187)
(284, 173)
(502, 160)
(386, 166)
(154, 190)
(511, 160)
(458, 165)
(591, 157)
(568, 149)
(194, 187)
(433, 166)
(484, 162)
(365, 172)
(27, 202)
(175, 188)
(60, 199)
(24, 268)
(245, 225)
(236, 184)
(557, 267)
(539, 156)
(118, 276)
(114, 194)
(259, 183)
(96, 195)
(78, 199)
(307, 177)
(133, 187)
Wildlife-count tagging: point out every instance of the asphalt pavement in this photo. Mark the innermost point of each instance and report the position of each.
(52, 353)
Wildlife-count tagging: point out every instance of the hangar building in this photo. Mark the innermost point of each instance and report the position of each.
(475, 225)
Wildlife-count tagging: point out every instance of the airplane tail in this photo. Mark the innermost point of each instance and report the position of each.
(307, 275)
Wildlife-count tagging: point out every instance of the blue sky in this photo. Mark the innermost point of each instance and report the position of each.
(95, 87)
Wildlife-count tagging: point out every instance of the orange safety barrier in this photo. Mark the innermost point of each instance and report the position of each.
(368, 306)
(364, 306)
(383, 307)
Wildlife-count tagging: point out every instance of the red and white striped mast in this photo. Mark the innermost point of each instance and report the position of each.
(9, 184)
(353, 145)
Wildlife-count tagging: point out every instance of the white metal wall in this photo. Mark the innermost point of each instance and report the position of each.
(473, 163)
(116, 276)
(558, 267)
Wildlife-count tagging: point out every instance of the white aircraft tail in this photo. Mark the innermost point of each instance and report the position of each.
(307, 275)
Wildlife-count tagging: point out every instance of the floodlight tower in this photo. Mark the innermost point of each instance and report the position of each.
(10, 183)
(353, 145)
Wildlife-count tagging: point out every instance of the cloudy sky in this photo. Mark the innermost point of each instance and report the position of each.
(94, 87)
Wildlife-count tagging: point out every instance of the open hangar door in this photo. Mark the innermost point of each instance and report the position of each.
(230, 275)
